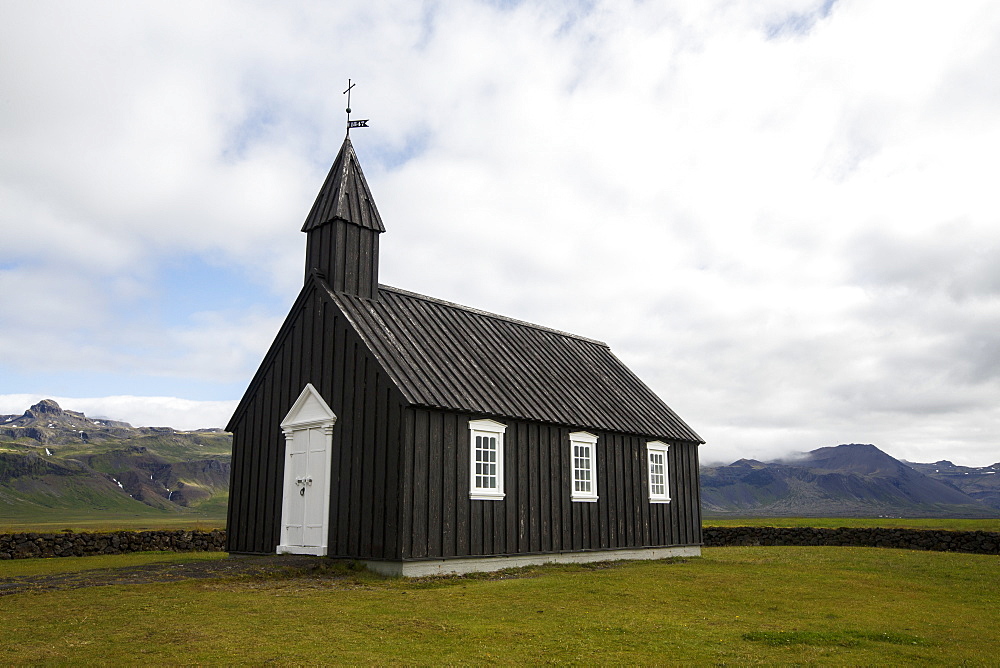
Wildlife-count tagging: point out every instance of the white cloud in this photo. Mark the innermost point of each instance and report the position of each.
(780, 213)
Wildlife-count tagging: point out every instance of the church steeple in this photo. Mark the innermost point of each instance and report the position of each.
(342, 229)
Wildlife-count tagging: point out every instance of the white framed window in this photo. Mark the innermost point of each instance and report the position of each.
(659, 481)
(486, 459)
(583, 460)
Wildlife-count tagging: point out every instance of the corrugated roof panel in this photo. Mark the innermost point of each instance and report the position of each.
(475, 388)
(502, 360)
(449, 356)
(464, 370)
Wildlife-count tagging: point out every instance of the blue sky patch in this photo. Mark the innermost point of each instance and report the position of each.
(190, 284)
(258, 122)
(798, 24)
(394, 157)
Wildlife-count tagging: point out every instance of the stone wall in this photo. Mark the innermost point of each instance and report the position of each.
(979, 542)
(68, 544)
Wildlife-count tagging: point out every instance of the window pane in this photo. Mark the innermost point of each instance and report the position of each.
(657, 474)
(486, 461)
(583, 467)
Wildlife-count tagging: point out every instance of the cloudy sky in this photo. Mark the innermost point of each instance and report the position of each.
(782, 214)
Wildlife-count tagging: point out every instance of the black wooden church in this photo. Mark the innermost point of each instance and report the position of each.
(426, 437)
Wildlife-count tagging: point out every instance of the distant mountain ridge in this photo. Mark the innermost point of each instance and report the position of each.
(53, 459)
(980, 482)
(47, 422)
(840, 481)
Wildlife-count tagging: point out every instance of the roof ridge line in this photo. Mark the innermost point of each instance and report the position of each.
(495, 316)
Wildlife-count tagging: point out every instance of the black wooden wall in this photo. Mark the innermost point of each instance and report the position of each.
(347, 256)
(537, 515)
(317, 345)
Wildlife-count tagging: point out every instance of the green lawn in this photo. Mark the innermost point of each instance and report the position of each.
(34, 567)
(743, 605)
(53, 520)
(834, 522)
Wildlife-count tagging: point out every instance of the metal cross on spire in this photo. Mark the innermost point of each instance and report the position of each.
(350, 123)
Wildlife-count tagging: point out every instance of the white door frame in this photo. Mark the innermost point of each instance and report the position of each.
(309, 412)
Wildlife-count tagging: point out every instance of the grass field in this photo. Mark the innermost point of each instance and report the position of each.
(112, 522)
(33, 567)
(735, 605)
(834, 522)
(14, 519)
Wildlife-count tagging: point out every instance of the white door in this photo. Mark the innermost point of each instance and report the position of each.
(305, 491)
(305, 506)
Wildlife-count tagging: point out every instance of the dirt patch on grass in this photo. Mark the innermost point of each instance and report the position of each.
(277, 571)
(234, 566)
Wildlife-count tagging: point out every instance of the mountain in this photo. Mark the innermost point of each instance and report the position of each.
(56, 462)
(851, 480)
(980, 482)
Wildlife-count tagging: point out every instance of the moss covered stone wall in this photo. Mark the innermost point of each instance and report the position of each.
(979, 542)
(69, 544)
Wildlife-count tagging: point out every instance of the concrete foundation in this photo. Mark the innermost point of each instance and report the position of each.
(486, 564)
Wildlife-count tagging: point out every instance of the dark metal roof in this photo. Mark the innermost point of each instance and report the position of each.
(444, 355)
(345, 195)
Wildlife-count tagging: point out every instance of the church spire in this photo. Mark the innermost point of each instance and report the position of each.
(343, 227)
(345, 195)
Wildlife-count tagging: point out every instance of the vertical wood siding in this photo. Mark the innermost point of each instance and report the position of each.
(317, 345)
(347, 256)
(537, 515)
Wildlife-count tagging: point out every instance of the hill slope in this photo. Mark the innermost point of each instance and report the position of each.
(55, 462)
(842, 481)
(980, 482)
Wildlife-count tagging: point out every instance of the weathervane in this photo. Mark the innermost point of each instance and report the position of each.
(350, 123)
